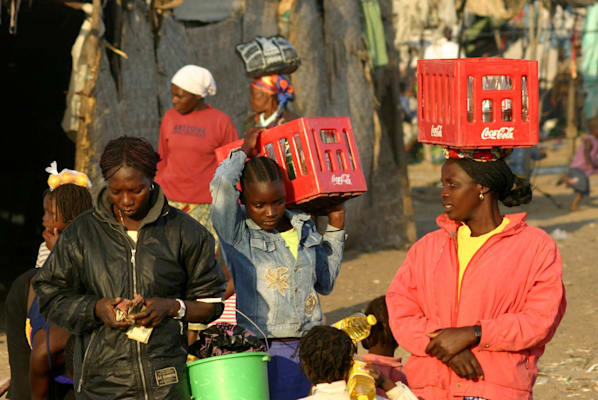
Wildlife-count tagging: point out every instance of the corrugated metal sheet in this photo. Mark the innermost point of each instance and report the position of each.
(207, 10)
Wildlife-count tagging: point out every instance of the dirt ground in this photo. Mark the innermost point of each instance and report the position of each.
(569, 368)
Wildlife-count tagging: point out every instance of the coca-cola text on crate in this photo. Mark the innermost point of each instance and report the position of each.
(478, 102)
(319, 157)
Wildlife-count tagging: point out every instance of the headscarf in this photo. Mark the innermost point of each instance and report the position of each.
(278, 85)
(196, 80)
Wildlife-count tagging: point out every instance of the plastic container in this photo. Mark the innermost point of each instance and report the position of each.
(360, 384)
(231, 376)
(319, 156)
(478, 102)
(358, 326)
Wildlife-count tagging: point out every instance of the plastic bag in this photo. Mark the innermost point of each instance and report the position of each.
(223, 339)
(66, 176)
(268, 55)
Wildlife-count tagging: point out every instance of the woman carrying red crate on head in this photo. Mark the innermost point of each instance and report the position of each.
(476, 301)
(189, 134)
(279, 262)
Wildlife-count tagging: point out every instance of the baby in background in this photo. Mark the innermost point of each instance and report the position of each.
(381, 345)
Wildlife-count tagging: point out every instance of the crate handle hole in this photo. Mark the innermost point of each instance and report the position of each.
(288, 158)
(524, 98)
(497, 82)
(328, 136)
(349, 151)
(300, 155)
(507, 110)
(487, 110)
(328, 161)
(470, 101)
(270, 151)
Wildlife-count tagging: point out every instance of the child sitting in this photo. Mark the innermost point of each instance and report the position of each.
(584, 164)
(326, 354)
(279, 262)
(45, 375)
(382, 345)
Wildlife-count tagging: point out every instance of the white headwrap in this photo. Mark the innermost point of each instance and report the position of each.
(195, 79)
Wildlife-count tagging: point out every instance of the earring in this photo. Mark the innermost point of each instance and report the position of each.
(481, 196)
(153, 186)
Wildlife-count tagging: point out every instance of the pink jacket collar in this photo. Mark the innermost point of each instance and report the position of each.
(516, 223)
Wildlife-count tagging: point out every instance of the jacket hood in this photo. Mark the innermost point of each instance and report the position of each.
(516, 223)
(158, 206)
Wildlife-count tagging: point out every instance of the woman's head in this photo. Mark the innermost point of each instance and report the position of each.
(468, 183)
(63, 205)
(264, 193)
(326, 354)
(269, 92)
(380, 333)
(129, 166)
(189, 86)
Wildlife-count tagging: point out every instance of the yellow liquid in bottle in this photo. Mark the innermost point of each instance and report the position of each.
(360, 384)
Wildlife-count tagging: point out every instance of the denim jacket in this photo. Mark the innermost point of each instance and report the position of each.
(279, 293)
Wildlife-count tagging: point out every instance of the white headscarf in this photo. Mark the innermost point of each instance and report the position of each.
(195, 79)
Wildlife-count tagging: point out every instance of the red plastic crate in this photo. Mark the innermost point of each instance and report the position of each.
(478, 102)
(321, 162)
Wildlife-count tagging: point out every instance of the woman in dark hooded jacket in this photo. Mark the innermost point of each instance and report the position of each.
(131, 245)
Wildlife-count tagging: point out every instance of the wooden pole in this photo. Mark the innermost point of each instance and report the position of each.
(88, 101)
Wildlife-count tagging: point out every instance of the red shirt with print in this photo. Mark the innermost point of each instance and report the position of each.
(187, 144)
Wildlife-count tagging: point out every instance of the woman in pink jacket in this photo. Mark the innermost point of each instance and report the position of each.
(476, 301)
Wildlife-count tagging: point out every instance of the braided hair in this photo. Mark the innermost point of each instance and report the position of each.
(71, 200)
(326, 354)
(380, 333)
(261, 169)
(130, 151)
(512, 190)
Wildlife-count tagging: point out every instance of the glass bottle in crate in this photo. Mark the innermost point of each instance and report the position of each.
(360, 384)
(357, 326)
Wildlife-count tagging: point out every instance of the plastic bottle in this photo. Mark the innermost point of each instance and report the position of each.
(357, 326)
(360, 384)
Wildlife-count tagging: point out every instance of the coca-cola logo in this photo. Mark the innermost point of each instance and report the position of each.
(343, 179)
(503, 133)
(436, 131)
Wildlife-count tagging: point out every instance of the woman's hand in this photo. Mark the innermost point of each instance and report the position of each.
(104, 311)
(250, 142)
(50, 237)
(446, 343)
(466, 365)
(156, 310)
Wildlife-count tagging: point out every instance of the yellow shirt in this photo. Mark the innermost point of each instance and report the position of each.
(467, 245)
(292, 240)
(132, 235)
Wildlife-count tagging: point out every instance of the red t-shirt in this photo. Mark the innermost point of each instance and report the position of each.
(187, 144)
